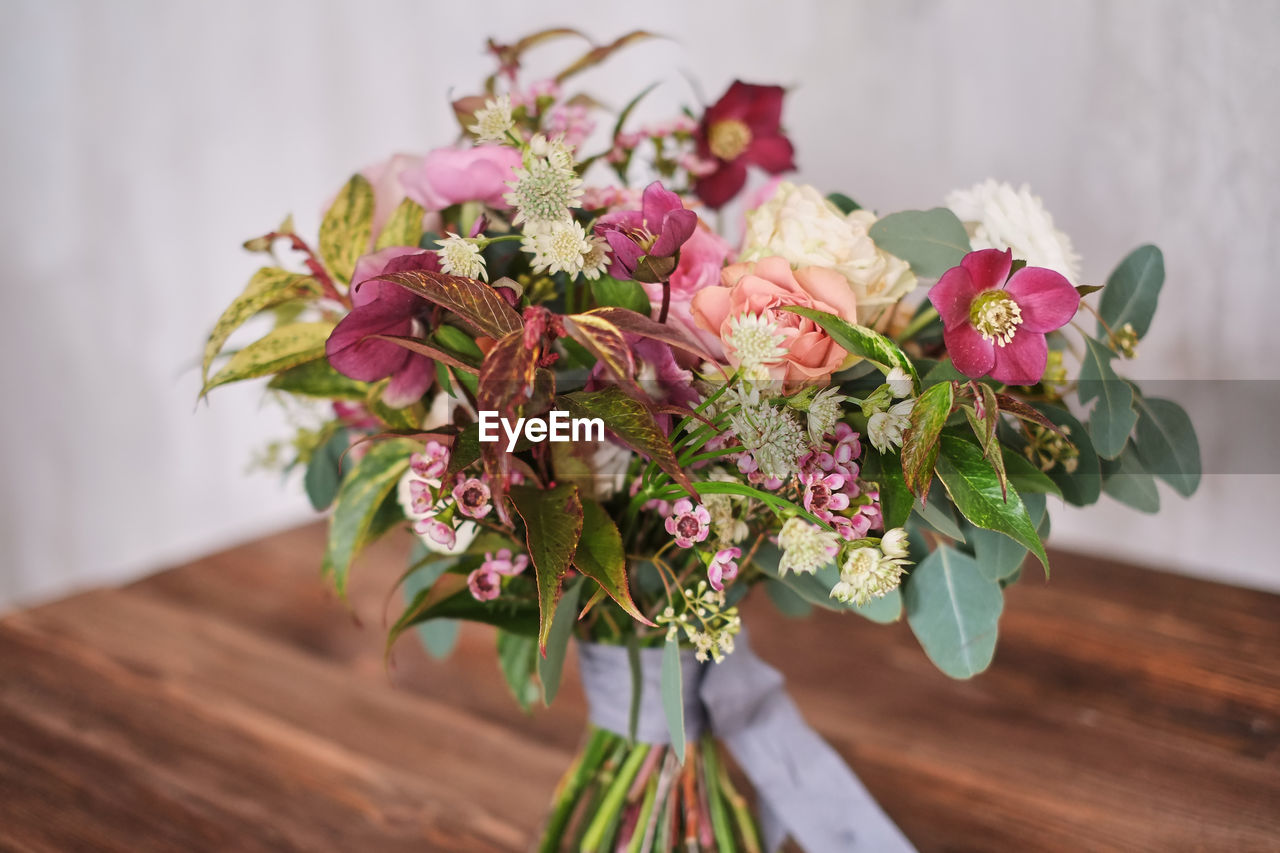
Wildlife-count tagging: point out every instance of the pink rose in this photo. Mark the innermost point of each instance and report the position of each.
(449, 176)
(761, 289)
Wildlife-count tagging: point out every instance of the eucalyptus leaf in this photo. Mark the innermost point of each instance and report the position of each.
(789, 602)
(438, 636)
(1167, 445)
(1132, 291)
(1113, 417)
(954, 611)
(673, 696)
(937, 512)
(324, 473)
(997, 555)
(517, 654)
(931, 241)
(1126, 480)
(843, 203)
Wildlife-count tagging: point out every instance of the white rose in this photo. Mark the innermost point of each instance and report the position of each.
(799, 224)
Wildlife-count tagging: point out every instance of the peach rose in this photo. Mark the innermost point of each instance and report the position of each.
(761, 289)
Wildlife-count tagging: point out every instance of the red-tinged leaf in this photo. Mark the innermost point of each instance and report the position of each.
(605, 341)
(1019, 409)
(637, 324)
(634, 425)
(920, 441)
(474, 302)
(599, 54)
(507, 375)
(553, 526)
(601, 557)
(984, 429)
(424, 348)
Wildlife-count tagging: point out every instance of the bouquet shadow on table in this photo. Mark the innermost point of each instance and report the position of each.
(605, 420)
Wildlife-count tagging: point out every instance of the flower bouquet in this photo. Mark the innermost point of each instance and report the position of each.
(605, 420)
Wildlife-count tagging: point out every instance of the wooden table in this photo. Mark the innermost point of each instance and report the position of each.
(234, 705)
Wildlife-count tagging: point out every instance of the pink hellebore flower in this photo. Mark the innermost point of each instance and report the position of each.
(645, 241)
(723, 567)
(383, 308)
(688, 522)
(993, 323)
(485, 585)
(473, 497)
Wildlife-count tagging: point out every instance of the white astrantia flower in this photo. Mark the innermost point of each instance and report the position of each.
(997, 216)
(894, 543)
(558, 247)
(596, 260)
(460, 256)
(799, 224)
(824, 411)
(805, 547)
(899, 382)
(543, 191)
(728, 528)
(885, 428)
(554, 150)
(772, 436)
(757, 343)
(493, 121)
(866, 575)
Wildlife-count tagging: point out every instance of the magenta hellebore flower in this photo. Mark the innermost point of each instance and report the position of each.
(383, 308)
(645, 241)
(994, 323)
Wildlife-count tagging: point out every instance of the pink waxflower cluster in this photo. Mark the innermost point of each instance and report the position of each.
(688, 522)
(832, 491)
(485, 582)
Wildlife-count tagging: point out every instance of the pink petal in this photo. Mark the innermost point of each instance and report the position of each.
(774, 154)
(972, 354)
(989, 267)
(368, 360)
(763, 111)
(677, 228)
(710, 308)
(410, 382)
(952, 296)
(1047, 299)
(1022, 360)
(658, 201)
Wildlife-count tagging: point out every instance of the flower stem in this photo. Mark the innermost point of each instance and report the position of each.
(572, 786)
(615, 795)
(922, 319)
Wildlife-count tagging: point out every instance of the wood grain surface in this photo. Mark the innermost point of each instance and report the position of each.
(234, 704)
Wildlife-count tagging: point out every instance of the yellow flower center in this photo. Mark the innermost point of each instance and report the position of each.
(996, 316)
(728, 139)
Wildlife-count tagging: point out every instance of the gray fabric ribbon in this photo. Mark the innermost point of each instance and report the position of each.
(806, 790)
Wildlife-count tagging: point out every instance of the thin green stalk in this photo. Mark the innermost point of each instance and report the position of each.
(646, 814)
(571, 786)
(918, 322)
(615, 795)
(742, 815)
(720, 825)
(600, 784)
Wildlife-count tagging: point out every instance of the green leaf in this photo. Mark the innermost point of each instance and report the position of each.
(359, 498)
(975, 490)
(347, 228)
(324, 473)
(438, 636)
(884, 610)
(843, 203)
(553, 525)
(673, 695)
(279, 349)
(931, 241)
(630, 294)
(860, 341)
(954, 611)
(985, 430)
(517, 654)
(1113, 417)
(634, 425)
(920, 441)
(404, 228)
(997, 555)
(1167, 445)
(449, 598)
(938, 513)
(1128, 482)
(601, 557)
(1132, 291)
(1026, 477)
(270, 286)
(1082, 486)
(318, 379)
(885, 470)
(788, 602)
(551, 664)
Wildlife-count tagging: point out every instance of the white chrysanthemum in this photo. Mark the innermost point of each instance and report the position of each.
(899, 382)
(885, 428)
(866, 575)
(799, 224)
(998, 216)
(543, 192)
(772, 436)
(558, 247)
(460, 256)
(757, 344)
(595, 261)
(824, 411)
(805, 547)
(493, 121)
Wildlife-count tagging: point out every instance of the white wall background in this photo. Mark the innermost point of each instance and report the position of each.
(143, 141)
